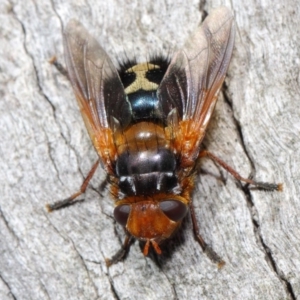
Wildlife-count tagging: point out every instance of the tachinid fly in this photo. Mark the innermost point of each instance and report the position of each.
(147, 122)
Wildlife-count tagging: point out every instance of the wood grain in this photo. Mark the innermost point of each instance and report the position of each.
(46, 152)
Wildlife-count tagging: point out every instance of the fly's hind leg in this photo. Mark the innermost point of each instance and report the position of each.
(53, 60)
(72, 199)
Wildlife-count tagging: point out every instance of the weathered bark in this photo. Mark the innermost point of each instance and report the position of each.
(46, 152)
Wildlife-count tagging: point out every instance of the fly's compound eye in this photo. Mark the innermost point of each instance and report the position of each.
(121, 214)
(173, 209)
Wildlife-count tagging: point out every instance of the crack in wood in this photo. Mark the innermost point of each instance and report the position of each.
(245, 189)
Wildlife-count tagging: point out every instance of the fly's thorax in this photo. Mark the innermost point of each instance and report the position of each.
(147, 172)
(146, 163)
(141, 136)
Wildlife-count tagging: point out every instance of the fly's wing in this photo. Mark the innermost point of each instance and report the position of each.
(98, 90)
(190, 87)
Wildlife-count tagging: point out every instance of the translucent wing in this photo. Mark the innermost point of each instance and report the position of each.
(98, 89)
(190, 87)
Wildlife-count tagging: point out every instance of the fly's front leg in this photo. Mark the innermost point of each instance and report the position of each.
(261, 185)
(72, 199)
(206, 248)
(121, 253)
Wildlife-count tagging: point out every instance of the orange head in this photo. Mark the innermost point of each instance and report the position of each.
(151, 220)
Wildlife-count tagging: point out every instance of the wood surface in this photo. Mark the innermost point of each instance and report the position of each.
(46, 152)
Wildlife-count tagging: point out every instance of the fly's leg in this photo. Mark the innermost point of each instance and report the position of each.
(72, 199)
(104, 184)
(121, 253)
(206, 248)
(260, 185)
(53, 60)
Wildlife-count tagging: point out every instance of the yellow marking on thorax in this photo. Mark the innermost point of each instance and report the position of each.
(141, 82)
